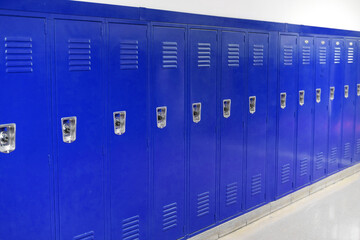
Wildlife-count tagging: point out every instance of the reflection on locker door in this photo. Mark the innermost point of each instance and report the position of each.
(25, 139)
(305, 111)
(231, 114)
(335, 100)
(321, 107)
(256, 119)
(127, 152)
(288, 67)
(357, 122)
(168, 142)
(203, 52)
(79, 124)
(350, 91)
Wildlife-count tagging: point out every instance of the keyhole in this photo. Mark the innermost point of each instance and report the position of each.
(4, 138)
(67, 129)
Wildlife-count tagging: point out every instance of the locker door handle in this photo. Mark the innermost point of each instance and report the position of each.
(252, 104)
(226, 108)
(332, 93)
(68, 126)
(318, 95)
(196, 110)
(346, 91)
(283, 100)
(7, 137)
(119, 122)
(358, 89)
(161, 113)
(301, 97)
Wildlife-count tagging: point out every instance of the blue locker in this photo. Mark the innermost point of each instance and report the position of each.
(25, 158)
(79, 125)
(127, 133)
(168, 131)
(305, 111)
(258, 50)
(357, 111)
(335, 100)
(202, 129)
(232, 122)
(321, 117)
(349, 94)
(288, 77)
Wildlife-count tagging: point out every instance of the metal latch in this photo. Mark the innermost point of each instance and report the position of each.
(301, 97)
(119, 122)
(283, 100)
(196, 109)
(161, 113)
(252, 104)
(226, 108)
(332, 93)
(68, 126)
(318, 95)
(346, 91)
(7, 137)
(358, 89)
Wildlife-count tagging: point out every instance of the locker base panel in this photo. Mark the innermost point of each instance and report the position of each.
(265, 210)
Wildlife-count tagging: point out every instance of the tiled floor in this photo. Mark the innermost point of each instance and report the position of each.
(333, 213)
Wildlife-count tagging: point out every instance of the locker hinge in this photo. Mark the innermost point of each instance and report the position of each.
(45, 28)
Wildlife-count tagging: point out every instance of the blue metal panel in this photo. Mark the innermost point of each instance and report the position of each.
(321, 118)
(202, 73)
(232, 124)
(305, 111)
(336, 85)
(127, 79)
(256, 121)
(168, 143)
(78, 47)
(25, 173)
(357, 111)
(288, 75)
(349, 102)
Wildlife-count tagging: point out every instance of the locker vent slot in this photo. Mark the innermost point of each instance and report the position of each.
(333, 153)
(204, 55)
(306, 51)
(169, 216)
(203, 204)
(285, 173)
(358, 146)
(350, 55)
(258, 55)
(131, 228)
(231, 193)
(85, 236)
(169, 51)
(322, 55)
(18, 55)
(233, 55)
(288, 55)
(79, 54)
(337, 55)
(304, 167)
(256, 184)
(319, 161)
(347, 151)
(129, 55)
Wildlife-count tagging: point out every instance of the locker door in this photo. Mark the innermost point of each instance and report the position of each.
(357, 111)
(256, 119)
(168, 131)
(80, 140)
(232, 132)
(24, 173)
(349, 102)
(335, 100)
(126, 120)
(287, 104)
(321, 92)
(305, 101)
(203, 52)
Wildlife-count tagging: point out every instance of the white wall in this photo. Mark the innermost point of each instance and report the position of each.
(342, 14)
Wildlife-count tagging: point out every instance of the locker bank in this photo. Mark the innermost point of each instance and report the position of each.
(133, 123)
